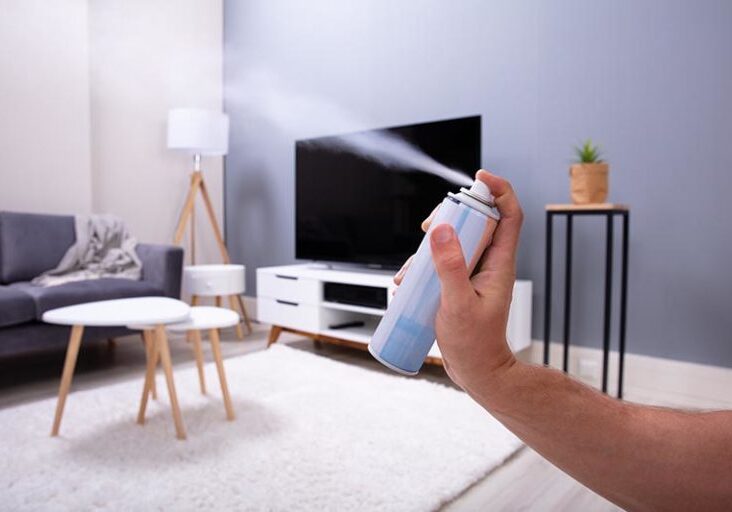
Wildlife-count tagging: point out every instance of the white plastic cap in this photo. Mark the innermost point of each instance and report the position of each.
(481, 190)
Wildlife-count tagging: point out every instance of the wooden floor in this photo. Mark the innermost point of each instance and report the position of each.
(525, 482)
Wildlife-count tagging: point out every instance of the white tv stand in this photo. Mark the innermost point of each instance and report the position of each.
(290, 298)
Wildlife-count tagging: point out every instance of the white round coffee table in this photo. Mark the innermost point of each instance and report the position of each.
(154, 311)
(200, 318)
(218, 280)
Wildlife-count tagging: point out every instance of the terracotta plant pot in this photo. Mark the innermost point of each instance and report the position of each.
(588, 183)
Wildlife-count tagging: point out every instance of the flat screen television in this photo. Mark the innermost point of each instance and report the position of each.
(353, 209)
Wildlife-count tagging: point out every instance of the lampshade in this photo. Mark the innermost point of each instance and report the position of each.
(198, 131)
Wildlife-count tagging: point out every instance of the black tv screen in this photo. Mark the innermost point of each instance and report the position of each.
(355, 209)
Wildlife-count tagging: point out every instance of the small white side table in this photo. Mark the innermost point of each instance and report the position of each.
(223, 280)
(153, 311)
(201, 318)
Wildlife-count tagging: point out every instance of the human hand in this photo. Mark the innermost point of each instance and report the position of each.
(473, 315)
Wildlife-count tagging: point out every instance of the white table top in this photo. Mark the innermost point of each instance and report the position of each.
(140, 310)
(200, 318)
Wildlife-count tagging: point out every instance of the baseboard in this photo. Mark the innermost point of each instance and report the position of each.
(650, 380)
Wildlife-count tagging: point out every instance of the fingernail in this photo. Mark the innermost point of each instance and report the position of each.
(404, 268)
(401, 271)
(442, 234)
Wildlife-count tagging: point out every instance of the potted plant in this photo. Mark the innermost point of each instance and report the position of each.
(588, 176)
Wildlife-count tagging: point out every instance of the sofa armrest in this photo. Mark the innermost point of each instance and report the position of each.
(162, 265)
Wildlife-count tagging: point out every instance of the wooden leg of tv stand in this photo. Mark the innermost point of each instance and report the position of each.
(434, 360)
(274, 333)
(276, 330)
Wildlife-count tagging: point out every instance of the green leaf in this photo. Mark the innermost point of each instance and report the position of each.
(588, 153)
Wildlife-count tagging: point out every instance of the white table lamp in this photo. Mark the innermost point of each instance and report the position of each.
(198, 132)
(201, 132)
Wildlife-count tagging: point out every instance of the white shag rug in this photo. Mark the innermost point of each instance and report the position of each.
(310, 434)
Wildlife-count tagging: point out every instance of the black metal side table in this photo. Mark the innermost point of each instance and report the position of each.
(609, 211)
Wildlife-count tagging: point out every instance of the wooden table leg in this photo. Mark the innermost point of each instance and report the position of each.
(244, 313)
(233, 305)
(152, 359)
(151, 355)
(196, 334)
(162, 342)
(274, 333)
(216, 348)
(72, 351)
(194, 303)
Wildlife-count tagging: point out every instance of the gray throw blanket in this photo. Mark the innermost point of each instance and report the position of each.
(103, 248)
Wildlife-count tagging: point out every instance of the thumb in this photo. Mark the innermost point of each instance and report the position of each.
(449, 261)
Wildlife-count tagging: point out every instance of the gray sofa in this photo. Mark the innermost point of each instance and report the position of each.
(33, 243)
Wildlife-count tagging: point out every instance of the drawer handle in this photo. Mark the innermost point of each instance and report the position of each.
(280, 276)
(286, 302)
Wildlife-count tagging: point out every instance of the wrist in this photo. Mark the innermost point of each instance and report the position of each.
(493, 387)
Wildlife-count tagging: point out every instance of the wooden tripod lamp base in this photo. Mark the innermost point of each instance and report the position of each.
(202, 132)
(217, 281)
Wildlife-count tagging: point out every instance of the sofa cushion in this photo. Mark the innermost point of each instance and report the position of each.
(16, 307)
(34, 337)
(78, 292)
(32, 243)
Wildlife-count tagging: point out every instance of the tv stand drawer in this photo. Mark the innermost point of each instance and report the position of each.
(288, 287)
(287, 313)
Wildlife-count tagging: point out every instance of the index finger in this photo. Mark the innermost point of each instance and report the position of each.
(426, 223)
(502, 252)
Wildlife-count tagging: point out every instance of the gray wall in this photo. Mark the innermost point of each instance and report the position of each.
(650, 80)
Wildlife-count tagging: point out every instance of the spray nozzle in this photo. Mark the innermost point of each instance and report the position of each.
(481, 192)
(478, 197)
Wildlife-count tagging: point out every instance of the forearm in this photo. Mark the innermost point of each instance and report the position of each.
(638, 457)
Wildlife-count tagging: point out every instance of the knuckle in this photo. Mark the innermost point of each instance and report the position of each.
(520, 215)
(453, 262)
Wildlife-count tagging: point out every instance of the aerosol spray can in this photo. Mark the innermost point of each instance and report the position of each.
(407, 331)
